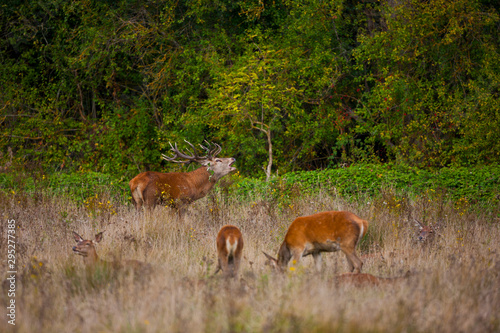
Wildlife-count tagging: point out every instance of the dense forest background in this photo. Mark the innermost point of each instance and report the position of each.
(281, 85)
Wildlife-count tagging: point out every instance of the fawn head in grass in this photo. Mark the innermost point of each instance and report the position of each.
(426, 233)
(86, 248)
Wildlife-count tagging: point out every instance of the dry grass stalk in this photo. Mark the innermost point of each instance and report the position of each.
(455, 286)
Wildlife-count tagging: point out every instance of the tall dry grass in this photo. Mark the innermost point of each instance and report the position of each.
(453, 284)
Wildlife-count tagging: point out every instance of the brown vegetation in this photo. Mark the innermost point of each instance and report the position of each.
(455, 285)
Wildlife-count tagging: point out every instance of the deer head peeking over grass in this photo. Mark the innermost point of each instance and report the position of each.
(86, 248)
(427, 233)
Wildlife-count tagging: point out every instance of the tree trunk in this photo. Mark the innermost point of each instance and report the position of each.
(270, 152)
(267, 131)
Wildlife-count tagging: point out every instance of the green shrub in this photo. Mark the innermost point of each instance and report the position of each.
(475, 184)
(79, 186)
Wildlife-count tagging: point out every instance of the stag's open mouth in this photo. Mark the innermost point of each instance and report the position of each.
(231, 165)
(78, 252)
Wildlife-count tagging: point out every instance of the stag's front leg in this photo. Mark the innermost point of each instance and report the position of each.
(296, 256)
(181, 208)
(317, 260)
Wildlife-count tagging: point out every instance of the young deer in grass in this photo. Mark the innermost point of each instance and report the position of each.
(86, 248)
(229, 250)
(363, 279)
(322, 232)
(427, 232)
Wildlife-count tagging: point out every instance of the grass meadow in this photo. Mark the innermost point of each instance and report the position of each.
(453, 284)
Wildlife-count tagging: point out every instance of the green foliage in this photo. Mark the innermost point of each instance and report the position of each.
(479, 185)
(391, 185)
(78, 186)
(425, 99)
(292, 85)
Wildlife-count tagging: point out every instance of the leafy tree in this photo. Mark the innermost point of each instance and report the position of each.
(283, 86)
(255, 94)
(425, 65)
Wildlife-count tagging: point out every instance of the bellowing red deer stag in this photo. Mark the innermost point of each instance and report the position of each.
(322, 232)
(181, 188)
(229, 250)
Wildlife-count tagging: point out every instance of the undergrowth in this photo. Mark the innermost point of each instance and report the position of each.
(451, 286)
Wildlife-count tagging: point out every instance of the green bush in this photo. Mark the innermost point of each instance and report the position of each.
(476, 184)
(78, 186)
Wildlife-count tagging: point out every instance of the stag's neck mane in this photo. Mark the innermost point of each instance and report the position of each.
(203, 181)
(202, 176)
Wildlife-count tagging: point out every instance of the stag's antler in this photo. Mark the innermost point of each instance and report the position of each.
(187, 158)
(212, 150)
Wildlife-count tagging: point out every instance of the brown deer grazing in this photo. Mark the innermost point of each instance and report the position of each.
(229, 250)
(181, 188)
(86, 248)
(322, 232)
(426, 233)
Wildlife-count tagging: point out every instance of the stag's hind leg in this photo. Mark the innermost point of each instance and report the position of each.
(223, 263)
(150, 197)
(355, 264)
(137, 199)
(231, 268)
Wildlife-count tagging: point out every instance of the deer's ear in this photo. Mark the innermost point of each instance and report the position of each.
(98, 237)
(271, 261)
(77, 237)
(418, 224)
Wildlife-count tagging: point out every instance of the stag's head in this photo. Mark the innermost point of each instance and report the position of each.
(218, 167)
